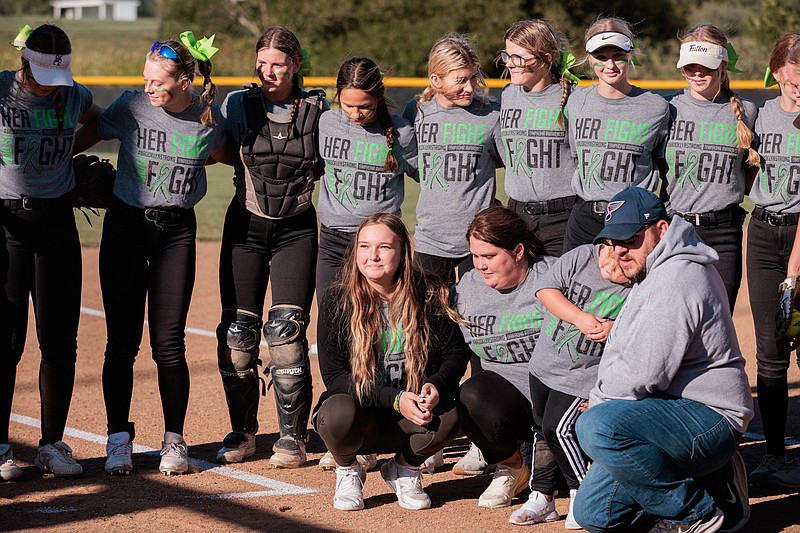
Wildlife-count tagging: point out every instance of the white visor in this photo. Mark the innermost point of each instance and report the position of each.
(609, 38)
(49, 69)
(707, 54)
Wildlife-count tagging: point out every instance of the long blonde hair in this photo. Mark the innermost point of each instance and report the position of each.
(452, 52)
(708, 33)
(414, 300)
(539, 38)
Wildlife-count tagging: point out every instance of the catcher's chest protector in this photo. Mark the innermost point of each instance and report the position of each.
(278, 156)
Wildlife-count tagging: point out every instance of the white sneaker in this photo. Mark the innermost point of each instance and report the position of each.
(236, 447)
(119, 451)
(433, 462)
(472, 464)
(57, 459)
(406, 484)
(506, 483)
(349, 487)
(8, 468)
(536, 509)
(174, 455)
(288, 452)
(570, 522)
(367, 462)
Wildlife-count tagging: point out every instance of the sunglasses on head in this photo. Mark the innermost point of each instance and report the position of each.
(166, 51)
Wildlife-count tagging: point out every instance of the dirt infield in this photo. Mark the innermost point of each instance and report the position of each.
(250, 496)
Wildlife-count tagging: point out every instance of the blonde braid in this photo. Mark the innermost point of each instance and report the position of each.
(744, 136)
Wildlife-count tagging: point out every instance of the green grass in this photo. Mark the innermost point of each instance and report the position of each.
(211, 209)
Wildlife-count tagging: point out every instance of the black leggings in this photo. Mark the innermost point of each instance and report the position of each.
(445, 268)
(332, 249)
(583, 224)
(768, 249)
(548, 227)
(556, 413)
(140, 261)
(40, 258)
(349, 429)
(726, 240)
(495, 415)
(256, 250)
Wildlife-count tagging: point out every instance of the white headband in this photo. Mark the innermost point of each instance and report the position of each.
(698, 53)
(49, 69)
(609, 38)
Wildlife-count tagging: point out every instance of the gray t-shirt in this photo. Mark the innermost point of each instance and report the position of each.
(502, 325)
(705, 166)
(162, 155)
(535, 149)
(457, 162)
(778, 181)
(35, 161)
(564, 359)
(356, 184)
(615, 141)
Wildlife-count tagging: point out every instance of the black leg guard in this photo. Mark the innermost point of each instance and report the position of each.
(238, 337)
(290, 369)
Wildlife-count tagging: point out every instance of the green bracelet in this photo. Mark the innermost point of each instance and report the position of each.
(397, 401)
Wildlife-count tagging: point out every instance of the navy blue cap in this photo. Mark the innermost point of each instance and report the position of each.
(629, 211)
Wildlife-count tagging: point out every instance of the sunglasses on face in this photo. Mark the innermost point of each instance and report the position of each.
(166, 51)
(626, 243)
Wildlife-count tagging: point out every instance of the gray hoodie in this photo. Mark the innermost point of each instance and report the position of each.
(675, 335)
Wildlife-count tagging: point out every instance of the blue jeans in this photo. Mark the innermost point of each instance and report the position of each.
(648, 456)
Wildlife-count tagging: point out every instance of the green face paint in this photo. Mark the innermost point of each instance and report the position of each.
(618, 62)
(282, 73)
(161, 90)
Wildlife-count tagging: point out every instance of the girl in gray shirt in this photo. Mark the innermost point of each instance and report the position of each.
(533, 131)
(708, 150)
(615, 129)
(457, 127)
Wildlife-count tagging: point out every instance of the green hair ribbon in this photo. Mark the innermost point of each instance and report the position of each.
(202, 50)
(305, 66)
(565, 61)
(769, 79)
(19, 41)
(634, 60)
(733, 57)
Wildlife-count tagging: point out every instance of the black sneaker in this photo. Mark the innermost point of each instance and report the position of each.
(728, 487)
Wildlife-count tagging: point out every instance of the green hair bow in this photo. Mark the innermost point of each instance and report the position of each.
(19, 41)
(565, 61)
(733, 57)
(769, 79)
(634, 59)
(305, 66)
(202, 50)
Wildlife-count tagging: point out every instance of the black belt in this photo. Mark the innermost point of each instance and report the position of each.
(713, 218)
(339, 233)
(157, 215)
(28, 203)
(775, 219)
(554, 205)
(598, 207)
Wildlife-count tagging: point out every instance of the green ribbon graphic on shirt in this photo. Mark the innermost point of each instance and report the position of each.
(22, 37)
(202, 50)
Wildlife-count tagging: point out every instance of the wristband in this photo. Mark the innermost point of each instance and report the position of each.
(396, 405)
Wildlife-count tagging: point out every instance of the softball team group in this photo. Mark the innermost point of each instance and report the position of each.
(519, 292)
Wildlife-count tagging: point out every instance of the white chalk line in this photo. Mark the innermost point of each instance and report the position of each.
(194, 331)
(276, 487)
